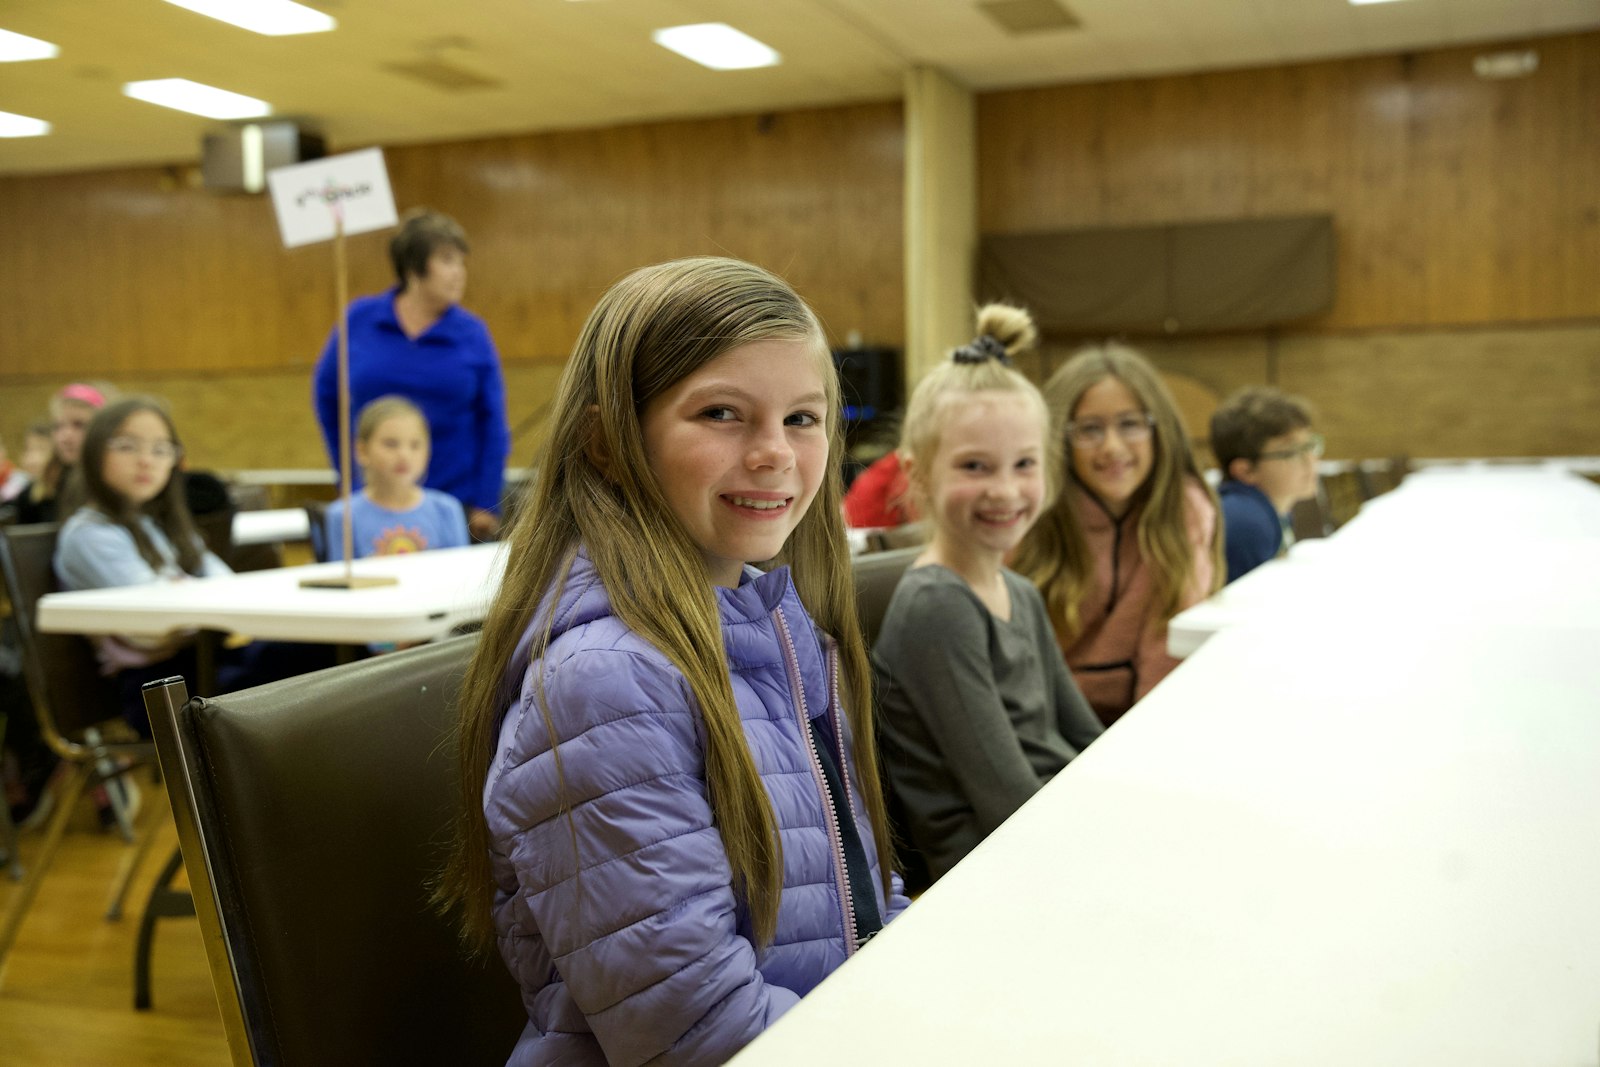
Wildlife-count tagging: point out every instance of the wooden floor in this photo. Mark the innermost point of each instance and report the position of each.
(66, 989)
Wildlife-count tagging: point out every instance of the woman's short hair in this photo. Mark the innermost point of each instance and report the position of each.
(423, 232)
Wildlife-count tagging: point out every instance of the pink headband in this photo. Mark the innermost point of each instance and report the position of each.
(83, 394)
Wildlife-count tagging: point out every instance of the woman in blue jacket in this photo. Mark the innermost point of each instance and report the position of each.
(417, 341)
(673, 827)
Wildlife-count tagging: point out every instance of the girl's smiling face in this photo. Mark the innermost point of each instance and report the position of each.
(985, 482)
(740, 447)
(1115, 467)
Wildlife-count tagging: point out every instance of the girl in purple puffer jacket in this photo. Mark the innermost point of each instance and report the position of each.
(673, 827)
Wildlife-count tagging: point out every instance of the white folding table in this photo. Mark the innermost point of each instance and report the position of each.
(437, 591)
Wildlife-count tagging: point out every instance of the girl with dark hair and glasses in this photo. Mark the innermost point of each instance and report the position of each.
(1133, 538)
(134, 528)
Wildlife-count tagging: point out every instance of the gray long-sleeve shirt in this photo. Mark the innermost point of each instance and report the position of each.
(978, 712)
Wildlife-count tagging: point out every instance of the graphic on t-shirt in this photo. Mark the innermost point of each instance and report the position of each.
(398, 540)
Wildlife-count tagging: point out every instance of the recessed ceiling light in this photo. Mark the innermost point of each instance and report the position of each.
(716, 45)
(181, 94)
(22, 126)
(275, 18)
(14, 48)
(1359, 2)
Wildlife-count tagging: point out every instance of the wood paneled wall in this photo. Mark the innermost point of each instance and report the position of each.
(1467, 214)
(1456, 200)
(135, 272)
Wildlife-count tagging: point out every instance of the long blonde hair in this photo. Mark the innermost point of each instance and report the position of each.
(1055, 554)
(1003, 331)
(648, 332)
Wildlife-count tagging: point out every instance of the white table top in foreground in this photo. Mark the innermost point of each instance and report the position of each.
(1311, 845)
(438, 591)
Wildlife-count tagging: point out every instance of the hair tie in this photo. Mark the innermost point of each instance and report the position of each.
(83, 394)
(982, 349)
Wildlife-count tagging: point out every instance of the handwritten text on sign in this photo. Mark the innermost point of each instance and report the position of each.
(306, 196)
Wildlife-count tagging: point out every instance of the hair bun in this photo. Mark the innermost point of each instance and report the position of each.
(982, 349)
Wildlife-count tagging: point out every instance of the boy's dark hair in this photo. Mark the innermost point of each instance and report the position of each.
(421, 233)
(1248, 419)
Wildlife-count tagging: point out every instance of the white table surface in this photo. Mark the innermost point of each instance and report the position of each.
(270, 526)
(437, 591)
(1315, 846)
(1510, 545)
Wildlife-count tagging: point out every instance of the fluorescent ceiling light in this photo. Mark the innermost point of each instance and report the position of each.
(1359, 2)
(275, 18)
(716, 45)
(182, 94)
(21, 126)
(14, 48)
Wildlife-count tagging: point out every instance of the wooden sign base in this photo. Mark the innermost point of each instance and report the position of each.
(349, 581)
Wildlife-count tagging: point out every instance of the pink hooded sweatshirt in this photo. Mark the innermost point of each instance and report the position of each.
(1121, 651)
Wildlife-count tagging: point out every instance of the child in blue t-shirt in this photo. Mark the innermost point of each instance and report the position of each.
(393, 513)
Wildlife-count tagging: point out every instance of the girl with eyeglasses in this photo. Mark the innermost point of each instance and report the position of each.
(1133, 539)
(134, 527)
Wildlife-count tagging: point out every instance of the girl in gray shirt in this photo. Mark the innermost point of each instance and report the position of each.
(978, 708)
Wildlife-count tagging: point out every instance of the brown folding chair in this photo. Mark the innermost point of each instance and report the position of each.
(317, 523)
(1343, 488)
(313, 814)
(907, 535)
(72, 702)
(876, 576)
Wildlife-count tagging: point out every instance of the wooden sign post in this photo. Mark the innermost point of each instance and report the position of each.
(315, 201)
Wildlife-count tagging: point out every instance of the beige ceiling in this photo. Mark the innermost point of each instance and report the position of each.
(567, 63)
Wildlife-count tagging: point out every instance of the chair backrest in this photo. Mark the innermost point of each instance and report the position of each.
(69, 693)
(876, 575)
(216, 530)
(906, 535)
(317, 522)
(313, 813)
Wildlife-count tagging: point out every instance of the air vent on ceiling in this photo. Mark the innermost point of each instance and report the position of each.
(1029, 16)
(442, 75)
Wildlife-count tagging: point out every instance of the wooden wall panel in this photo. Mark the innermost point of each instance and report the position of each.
(263, 419)
(1457, 200)
(126, 273)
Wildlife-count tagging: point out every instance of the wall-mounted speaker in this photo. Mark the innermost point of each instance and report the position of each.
(236, 160)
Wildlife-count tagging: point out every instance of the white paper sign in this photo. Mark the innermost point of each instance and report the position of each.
(306, 195)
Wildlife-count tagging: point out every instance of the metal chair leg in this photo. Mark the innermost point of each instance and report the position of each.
(65, 801)
(165, 902)
(132, 862)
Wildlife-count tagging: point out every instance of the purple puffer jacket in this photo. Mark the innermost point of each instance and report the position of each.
(646, 957)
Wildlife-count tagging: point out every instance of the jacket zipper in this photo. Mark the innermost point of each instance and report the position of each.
(841, 875)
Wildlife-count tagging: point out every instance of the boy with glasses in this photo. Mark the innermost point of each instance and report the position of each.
(1268, 453)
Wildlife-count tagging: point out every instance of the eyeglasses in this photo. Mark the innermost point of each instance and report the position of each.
(1091, 433)
(1311, 447)
(165, 451)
